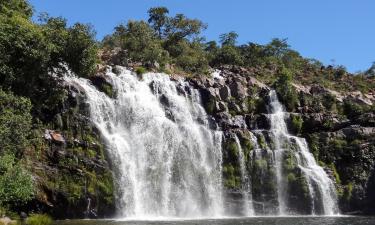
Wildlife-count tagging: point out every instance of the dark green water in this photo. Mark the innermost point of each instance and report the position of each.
(238, 221)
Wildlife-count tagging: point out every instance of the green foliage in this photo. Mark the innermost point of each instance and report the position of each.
(139, 41)
(15, 123)
(21, 7)
(227, 55)
(261, 164)
(191, 57)
(314, 145)
(16, 185)
(165, 40)
(297, 123)
(329, 101)
(39, 219)
(229, 175)
(140, 70)
(180, 27)
(34, 56)
(348, 190)
(335, 173)
(81, 50)
(285, 90)
(228, 39)
(158, 19)
(233, 148)
(353, 109)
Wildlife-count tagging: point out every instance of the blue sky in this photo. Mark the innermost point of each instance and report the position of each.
(339, 30)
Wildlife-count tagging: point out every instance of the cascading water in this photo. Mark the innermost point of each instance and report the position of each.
(246, 184)
(167, 160)
(321, 188)
(168, 163)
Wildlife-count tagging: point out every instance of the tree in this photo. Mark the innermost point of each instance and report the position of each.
(15, 123)
(253, 54)
(81, 49)
(16, 185)
(192, 57)
(140, 42)
(158, 19)
(227, 55)
(228, 39)
(22, 7)
(277, 47)
(285, 90)
(180, 27)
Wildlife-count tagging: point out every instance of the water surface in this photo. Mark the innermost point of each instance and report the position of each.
(237, 221)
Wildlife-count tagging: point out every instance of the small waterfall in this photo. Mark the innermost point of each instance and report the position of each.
(167, 161)
(246, 185)
(321, 188)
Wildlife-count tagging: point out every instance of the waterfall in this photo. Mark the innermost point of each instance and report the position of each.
(167, 161)
(246, 187)
(320, 187)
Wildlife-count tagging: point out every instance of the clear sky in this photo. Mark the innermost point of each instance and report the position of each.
(339, 30)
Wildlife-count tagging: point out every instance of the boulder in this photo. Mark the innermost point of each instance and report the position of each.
(224, 93)
(54, 136)
(237, 89)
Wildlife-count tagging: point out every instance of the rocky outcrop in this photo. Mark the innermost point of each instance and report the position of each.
(339, 128)
(71, 171)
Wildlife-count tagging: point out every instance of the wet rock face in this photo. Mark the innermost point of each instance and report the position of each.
(339, 128)
(72, 166)
(341, 138)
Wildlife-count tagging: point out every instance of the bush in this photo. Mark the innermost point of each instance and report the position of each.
(297, 123)
(16, 185)
(286, 92)
(15, 123)
(227, 55)
(39, 219)
(140, 70)
(139, 41)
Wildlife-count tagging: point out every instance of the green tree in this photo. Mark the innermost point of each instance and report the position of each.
(81, 50)
(180, 27)
(277, 47)
(228, 39)
(15, 123)
(285, 89)
(16, 185)
(9, 7)
(192, 57)
(139, 41)
(158, 19)
(227, 55)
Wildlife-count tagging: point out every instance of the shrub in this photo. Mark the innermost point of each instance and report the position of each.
(140, 71)
(139, 41)
(16, 185)
(285, 90)
(15, 123)
(297, 123)
(39, 219)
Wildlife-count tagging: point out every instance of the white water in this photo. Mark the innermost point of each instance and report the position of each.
(168, 163)
(167, 160)
(246, 186)
(313, 172)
